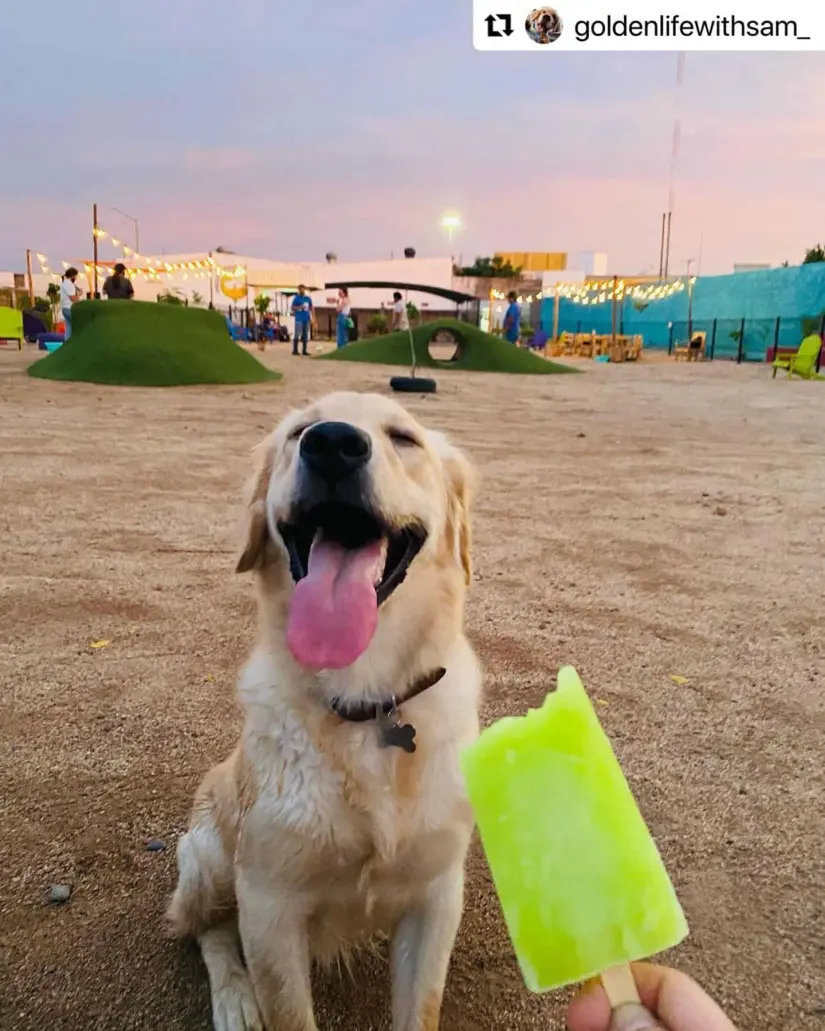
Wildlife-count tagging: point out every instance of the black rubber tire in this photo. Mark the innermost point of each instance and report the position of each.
(412, 385)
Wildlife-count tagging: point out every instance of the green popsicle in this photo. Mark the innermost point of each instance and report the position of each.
(581, 882)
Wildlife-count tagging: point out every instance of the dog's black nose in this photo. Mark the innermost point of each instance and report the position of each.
(335, 450)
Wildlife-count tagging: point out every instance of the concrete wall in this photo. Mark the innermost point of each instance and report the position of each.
(426, 271)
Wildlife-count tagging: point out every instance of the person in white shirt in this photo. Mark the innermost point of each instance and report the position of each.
(69, 295)
(342, 323)
(400, 316)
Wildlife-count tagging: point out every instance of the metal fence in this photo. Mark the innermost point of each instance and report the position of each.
(747, 340)
(738, 340)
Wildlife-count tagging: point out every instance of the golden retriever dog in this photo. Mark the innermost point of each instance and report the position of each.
(341, 815)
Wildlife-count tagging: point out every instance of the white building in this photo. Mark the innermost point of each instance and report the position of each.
(234, 280)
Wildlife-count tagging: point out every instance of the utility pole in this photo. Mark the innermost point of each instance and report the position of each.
(690, 299)
(96, 293)
(556, 305)
(667, 245)
(30, 277)
(662, 246)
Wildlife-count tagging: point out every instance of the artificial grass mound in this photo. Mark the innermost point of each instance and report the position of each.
(143, 344)
(477, 351)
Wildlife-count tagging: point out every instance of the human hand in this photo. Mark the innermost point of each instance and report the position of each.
(671, 1001)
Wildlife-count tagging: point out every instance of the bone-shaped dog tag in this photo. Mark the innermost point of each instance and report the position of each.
(393, 733)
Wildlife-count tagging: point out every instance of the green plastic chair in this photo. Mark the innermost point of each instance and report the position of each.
(11, 327)
(803, 363)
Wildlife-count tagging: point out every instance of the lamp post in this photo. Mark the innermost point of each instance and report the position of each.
(137, 230)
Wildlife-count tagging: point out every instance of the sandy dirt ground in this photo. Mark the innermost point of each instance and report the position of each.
(640, 522)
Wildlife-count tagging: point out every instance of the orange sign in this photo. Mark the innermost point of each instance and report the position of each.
(234, 288)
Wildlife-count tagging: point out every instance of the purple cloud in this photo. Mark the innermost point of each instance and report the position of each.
(291, 132)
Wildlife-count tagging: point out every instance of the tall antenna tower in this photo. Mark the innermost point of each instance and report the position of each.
(667, 216)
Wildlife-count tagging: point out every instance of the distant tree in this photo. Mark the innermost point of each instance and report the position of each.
(413, 314)
(814, 254)
(197, 299)
(785, 264)
(377, 323)
(812, 324)
(490, 268)
(262, 303)
(43, 309)
(171, 297)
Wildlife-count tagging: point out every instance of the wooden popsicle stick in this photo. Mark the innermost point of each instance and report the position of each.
(620, 986)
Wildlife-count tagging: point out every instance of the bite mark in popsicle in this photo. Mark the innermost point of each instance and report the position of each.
(581, 882)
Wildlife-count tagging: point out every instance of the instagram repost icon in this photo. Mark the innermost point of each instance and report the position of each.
(543, 25)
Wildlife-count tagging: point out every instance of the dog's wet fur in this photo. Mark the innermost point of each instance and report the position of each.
(312, 837)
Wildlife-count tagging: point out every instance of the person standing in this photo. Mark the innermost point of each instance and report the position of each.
(304, 316)
(342, 322)
(69, 295)
(400, 315)
(512, 319)
(118, 286)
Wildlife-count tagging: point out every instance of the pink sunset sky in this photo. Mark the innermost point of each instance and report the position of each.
(290, 132)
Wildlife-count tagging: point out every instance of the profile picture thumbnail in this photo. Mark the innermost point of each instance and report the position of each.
(543, 25)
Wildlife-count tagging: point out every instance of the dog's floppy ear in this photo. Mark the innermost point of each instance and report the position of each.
(461, 486)
(256, 529)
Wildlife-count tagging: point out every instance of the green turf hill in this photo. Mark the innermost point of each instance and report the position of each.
(476, 351)
(142, 344)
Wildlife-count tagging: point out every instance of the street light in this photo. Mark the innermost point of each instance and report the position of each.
(131, 219)
(450, 223)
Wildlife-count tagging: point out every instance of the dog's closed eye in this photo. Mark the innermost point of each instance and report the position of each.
(403, 437)
(299, 431)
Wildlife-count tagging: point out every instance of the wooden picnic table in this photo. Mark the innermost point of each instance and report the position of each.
(591, 345)
(617, 349)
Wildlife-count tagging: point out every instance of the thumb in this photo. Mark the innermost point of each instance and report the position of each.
(632, 1016)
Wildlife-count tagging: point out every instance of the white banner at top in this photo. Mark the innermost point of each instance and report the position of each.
(638, 25)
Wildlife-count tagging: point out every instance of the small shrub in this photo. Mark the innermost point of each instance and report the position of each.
(377, 323)
(262, 303)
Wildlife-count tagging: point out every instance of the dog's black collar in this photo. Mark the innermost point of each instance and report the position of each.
(386, 714)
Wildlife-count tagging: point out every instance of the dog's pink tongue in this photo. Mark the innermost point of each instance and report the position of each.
(334, 608)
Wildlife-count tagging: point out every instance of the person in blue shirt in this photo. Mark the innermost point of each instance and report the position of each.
(512, 319)
(304, 317)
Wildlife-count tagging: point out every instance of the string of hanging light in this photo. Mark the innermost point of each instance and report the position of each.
(604, 292)
(154, 268)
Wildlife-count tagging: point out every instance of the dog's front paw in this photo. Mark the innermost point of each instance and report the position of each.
(234, 1007)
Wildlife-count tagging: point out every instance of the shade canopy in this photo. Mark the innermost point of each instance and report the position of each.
(439, 291)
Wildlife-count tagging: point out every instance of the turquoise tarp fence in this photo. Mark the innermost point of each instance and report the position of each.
(793, 296)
